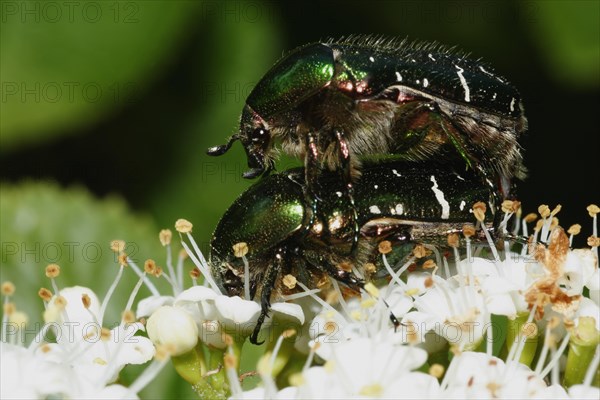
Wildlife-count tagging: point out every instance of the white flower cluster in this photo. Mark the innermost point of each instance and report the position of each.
(74, 355)
(84, 359)
(362, 354)
(431, 332)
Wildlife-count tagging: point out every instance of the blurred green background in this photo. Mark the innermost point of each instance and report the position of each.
(107, 108)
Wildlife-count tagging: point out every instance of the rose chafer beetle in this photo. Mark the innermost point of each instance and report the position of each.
(404, 203)
(330, 101)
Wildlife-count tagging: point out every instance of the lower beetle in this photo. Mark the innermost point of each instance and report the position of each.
(404, 203)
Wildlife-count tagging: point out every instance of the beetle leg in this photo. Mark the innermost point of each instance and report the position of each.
(417, 131)
(474, 161)
(311, 176)
(323, 265)
(312, 167)
(346, 167)
(265, 297)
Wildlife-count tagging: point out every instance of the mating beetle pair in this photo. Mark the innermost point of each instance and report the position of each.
(331, 102)
(405, 203)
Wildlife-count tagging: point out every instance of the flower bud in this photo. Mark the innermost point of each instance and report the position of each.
(174, 327)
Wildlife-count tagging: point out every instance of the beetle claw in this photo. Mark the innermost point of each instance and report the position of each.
(254, 336)
(253, 173)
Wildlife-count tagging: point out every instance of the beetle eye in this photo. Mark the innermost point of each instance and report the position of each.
(259, 135)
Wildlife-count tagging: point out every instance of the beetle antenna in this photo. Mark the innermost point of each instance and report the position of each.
(222, 149)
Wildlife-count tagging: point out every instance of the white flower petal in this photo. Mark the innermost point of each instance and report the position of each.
(135, 350)
(114, 392)
(195, 294)
(211, 334)
(593, 285)
(414, 385)
(23, 375)
(399, 302)
(497, 285)
(81, 322)
(75, 309)
(478, 375)
(479, 266)
(587, 308)
(199, 302)
(320, 383)
(419, 322)
(234, 311)
(553, 392)
(577, 270)
(584, 392)
(288, 311)
(501, 304)
(365, 361)
(150, 304)
(415, 282)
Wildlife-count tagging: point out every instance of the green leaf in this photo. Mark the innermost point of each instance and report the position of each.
(568, 34)
(66, 64)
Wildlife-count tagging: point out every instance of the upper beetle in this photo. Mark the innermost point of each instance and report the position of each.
(364, 95)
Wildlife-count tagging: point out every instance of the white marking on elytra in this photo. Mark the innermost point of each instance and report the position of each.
(439, 195)
(512, 104)
(396, 172)
(463, 82)
(375, 210)
(486, 72)
(398, 76)
(431, 57)
(425, 82)
(371, 59)
(462, 205)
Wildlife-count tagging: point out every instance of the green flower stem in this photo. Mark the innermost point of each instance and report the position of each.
(216, 372)
(578, 361)
(191, 366)
(237, 348)
(440, 357)
(294, 365)
(499, 328)
(514, 335)
(285, 351)
(582, 346)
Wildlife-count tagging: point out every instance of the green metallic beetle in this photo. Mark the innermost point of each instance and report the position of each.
(405, 203)
(331, 101)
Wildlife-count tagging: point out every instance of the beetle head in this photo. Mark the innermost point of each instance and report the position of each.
(256, 139)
